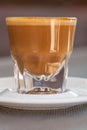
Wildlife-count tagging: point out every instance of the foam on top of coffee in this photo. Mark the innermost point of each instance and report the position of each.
(40, 20)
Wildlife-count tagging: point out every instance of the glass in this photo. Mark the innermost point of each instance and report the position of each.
(40, 49)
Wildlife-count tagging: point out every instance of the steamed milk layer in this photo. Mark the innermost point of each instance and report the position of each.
(40, 45)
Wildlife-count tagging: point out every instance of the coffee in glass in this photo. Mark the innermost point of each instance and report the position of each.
(40, 48)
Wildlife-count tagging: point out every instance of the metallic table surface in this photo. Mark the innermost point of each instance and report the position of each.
(73, 118)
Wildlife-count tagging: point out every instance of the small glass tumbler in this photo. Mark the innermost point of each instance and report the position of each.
(40, 48)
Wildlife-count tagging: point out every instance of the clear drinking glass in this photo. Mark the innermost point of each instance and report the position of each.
(40, 48)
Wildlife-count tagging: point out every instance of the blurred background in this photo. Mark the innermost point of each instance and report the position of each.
(72, 8)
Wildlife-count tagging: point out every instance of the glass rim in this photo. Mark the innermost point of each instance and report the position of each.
(36, 20)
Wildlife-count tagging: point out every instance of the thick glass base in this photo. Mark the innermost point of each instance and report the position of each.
(31, 84)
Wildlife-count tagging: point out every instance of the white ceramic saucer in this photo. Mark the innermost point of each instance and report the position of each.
(76, 94)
